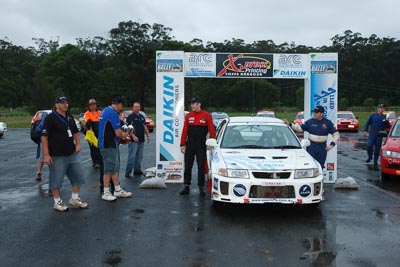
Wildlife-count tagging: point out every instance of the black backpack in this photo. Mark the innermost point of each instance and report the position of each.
(35, 133)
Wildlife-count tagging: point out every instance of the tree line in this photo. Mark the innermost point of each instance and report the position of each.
(123, 63)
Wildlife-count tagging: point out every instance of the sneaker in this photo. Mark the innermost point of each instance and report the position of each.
(78, 203)
(38, 176)
(201, 190)
(139, 173)
(185, 191)
(108, 196)
(368, 160)
(60, 206)
(122, 193)
(97, 166)
(127, 175)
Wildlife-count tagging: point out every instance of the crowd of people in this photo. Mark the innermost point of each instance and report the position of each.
(60, 145)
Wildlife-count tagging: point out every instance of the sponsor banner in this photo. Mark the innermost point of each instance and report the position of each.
(200, 65)
(324, 92)
(169, 115)
(294, 66)
(244, 65)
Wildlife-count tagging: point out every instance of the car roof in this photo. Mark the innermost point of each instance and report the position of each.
(249, 119)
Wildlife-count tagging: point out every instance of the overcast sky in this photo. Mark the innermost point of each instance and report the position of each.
(307, 22)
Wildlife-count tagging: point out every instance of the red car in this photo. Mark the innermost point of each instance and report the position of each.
(390, 153)
(40, 113)
(299, 119)
(346, 121)
(149, 122)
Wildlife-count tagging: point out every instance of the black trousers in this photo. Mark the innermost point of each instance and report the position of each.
(200, 154)
(95, 154)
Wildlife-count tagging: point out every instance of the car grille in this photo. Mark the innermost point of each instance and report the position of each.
(394, 166)
(258, 191)
(272, 175)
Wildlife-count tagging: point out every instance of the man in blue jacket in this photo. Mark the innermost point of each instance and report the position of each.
(376, 122)
(318, 128)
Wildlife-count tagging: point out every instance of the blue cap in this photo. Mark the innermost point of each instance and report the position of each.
(319, 109)
(195, 100)
(380, 106)
(61, 99)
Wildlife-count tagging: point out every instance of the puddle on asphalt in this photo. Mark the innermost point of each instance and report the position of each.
(113, 257)
(317, 252)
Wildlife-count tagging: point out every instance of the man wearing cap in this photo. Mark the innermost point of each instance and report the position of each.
(376, 122)
(318, 128)
(198, 123)
(92, 117)
(109, 133)
(61, 145)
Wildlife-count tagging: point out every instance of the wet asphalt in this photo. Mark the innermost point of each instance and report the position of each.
(157, 227)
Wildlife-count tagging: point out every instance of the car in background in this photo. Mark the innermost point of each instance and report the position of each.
(391, 116)
(217, 117)
(346, 121)
(260, 160)
(3, 128)
(149, 121)
(299, 119)
(40, 114)
(266, 113)
(81, 120)
(390, 153)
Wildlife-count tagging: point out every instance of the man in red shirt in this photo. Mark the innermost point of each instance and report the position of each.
(197, 125)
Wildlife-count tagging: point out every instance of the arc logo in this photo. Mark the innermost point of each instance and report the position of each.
(305, 191)
(239, 190)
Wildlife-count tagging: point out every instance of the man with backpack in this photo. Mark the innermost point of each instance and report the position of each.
(61, 147)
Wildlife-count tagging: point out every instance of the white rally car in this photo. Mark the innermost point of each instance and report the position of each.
(3, 128)
(260, 160)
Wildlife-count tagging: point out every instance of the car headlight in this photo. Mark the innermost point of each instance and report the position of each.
(233, 173)
(390, 154)
(306, 173)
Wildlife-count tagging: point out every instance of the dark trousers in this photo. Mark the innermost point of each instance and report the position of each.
(94, 154)
(190, 153)
(318, 152)
(374, 146)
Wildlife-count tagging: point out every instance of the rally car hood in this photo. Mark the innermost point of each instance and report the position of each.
(270, 159)
(393, 144)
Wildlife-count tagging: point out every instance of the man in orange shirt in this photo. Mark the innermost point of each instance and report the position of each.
(92, 118)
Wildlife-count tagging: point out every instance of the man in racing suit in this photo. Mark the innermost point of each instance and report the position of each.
(195, 128)
(319, 128)
(376, 122)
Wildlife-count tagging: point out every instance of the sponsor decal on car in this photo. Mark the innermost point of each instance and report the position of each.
(239, 190)
(215, 184)
(305, 191)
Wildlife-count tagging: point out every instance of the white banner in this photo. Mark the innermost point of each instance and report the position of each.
(323, 91)
(200, 65)
(294, 66)
(169, 115)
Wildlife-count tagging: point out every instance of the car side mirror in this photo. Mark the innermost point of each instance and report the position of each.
(305, 143)
(211, 142)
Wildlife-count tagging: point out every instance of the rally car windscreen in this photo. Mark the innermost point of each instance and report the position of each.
(259, 136)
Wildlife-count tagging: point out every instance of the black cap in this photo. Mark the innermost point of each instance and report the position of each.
(380, 106)
(195, 100)
(319, 109)
(61, 99)
(117, 100)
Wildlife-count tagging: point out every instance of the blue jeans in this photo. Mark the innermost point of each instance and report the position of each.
(66, 165)
(135, 156)
(374, 145)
